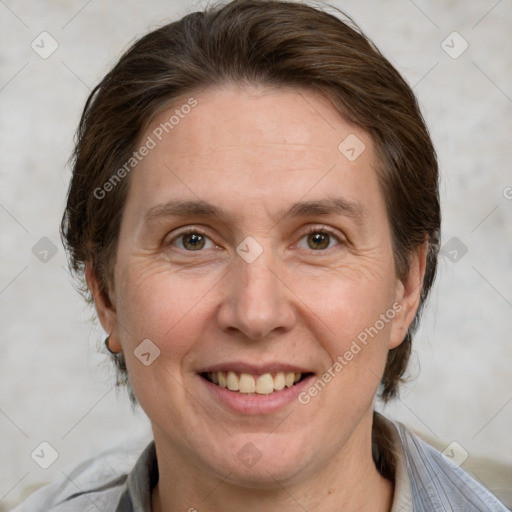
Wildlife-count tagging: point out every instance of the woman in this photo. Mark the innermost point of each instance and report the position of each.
(254, 208)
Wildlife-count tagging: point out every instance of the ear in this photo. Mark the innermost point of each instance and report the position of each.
(104, 308)
(407, 295)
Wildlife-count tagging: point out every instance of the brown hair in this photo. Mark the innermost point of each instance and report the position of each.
(262, 42)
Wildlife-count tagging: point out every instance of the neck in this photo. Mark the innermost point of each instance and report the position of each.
(350, 481)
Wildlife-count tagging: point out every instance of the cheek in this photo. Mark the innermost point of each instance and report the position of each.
(354, 325)
(346, 304)
(352, 320)
(172, 313)
(158, 304)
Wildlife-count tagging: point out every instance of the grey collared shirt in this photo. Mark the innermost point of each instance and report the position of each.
(425, 481)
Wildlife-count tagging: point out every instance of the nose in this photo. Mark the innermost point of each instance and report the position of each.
(257, 301)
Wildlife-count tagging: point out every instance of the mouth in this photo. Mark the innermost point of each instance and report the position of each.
(254, 384)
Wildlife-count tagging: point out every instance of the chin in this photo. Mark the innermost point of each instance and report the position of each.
(265, 476)
(259, 463)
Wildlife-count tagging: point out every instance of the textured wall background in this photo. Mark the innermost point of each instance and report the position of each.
(56, 385)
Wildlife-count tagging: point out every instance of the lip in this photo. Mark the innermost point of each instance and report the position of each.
(254, 404)
(253, 369)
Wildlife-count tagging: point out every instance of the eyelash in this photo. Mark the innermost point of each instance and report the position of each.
(187, 231)
(328, 231)
(311, 230)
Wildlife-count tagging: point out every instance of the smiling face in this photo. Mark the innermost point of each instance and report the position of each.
(252, 253)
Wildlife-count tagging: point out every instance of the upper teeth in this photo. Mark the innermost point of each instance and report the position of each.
(247, 383)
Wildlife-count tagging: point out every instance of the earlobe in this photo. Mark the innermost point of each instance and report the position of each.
(408, 295)
(104, 308)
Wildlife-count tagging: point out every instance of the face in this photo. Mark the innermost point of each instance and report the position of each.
(253, 251)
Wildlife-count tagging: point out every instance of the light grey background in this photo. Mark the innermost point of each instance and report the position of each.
(56, 383)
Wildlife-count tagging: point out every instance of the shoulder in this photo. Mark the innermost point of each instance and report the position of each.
(95, 484)
(437, 483)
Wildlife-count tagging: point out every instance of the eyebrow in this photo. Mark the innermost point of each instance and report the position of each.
(329, 206)
(322, 207)
(183, 209)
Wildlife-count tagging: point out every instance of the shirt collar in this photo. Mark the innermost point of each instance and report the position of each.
(395, 456)
(140, 483)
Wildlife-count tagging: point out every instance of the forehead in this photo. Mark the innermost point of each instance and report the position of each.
(240, 145)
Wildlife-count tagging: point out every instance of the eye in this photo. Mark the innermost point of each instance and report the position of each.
(192, 241)
(318, 240)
